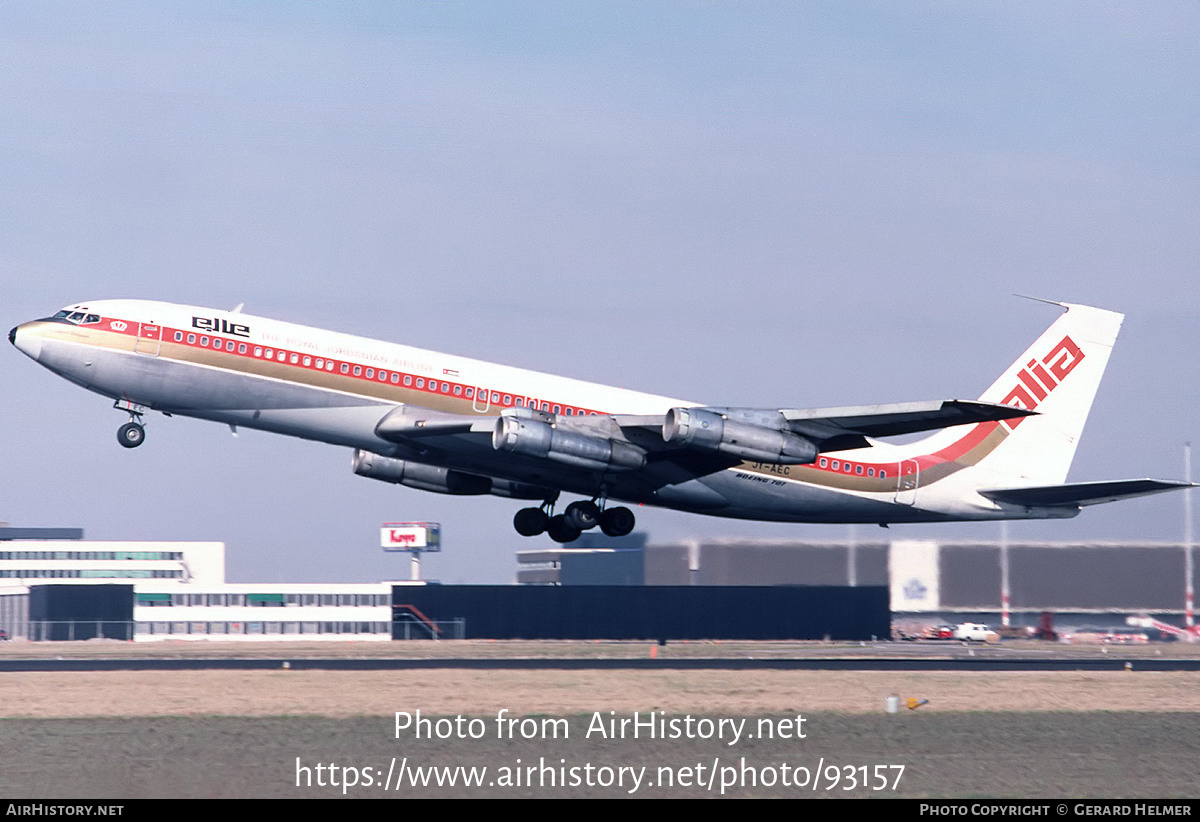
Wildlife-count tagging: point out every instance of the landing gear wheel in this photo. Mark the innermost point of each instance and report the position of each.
(530, 522)
(562, 531)
(583, 515)
(131, 435)
(617, 522)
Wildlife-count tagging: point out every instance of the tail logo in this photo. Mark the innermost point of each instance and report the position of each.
(1036, 380)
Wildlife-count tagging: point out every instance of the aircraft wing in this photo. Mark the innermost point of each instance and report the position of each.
(659, 449)
(894, 419)
(1083, 493)
(848, 427)
(413, 422)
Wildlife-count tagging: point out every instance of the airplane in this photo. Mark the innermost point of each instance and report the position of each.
(454, 425)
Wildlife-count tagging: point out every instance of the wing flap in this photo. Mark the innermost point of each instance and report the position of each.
(1083, 493)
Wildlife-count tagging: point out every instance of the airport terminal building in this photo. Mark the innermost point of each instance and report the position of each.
(936, 580)
(54, 585)
(71, 589)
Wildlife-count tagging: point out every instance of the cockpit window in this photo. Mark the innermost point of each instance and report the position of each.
(77, 317)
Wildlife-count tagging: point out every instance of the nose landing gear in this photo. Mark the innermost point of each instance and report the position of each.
(133, 433)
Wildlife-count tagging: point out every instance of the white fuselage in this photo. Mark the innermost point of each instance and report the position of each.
(321, 385)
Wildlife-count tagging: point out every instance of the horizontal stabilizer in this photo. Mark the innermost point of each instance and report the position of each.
(1083, 493)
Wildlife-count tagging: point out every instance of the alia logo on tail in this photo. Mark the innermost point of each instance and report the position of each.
(1061, 360)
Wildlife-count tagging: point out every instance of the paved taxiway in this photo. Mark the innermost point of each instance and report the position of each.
(579, 656)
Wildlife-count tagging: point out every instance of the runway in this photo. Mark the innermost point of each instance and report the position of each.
(585, 656)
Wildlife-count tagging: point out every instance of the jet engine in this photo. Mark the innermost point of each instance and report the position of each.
(534, 438)
(707, 430)
(440, 480)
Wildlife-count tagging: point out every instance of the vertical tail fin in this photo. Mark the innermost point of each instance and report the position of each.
(1057, 376)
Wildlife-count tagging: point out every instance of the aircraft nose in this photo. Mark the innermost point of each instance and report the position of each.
(26, 343)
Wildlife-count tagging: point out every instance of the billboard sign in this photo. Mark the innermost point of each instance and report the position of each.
(410, 536)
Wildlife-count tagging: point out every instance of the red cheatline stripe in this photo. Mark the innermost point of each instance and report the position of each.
(432, 385)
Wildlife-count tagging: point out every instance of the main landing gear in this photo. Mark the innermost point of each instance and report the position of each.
(578, 517)
(133, 433)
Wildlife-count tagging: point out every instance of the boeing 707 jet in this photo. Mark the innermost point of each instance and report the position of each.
(454, 425)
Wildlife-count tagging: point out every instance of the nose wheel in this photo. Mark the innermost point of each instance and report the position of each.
(131, 434)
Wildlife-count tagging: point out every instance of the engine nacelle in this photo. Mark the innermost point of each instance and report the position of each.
(534, 438)
(707, 430)
(417, 475)
(441, 480)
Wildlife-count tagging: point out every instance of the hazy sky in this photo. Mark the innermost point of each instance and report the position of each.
(770, 204)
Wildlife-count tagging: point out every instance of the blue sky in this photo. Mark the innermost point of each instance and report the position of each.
(792, 204)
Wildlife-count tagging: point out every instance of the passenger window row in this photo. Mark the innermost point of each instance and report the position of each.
(381, 375)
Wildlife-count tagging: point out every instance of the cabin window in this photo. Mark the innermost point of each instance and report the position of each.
(824, 462)
(408, 379)
(229, 346)
(178, 336)
(458, 390)
(383, 376)
(345, 368)
(295, 359)
(395, 378)
(558, 409)
(269, 354)
(358, 370)
(191, 339)
(495, 397)
(258, 350)
(320, 363)
(282, 356)
(204, 341)
(241, 348)
(420, 382)
(870, 472)
(370, 373)
(470, 392)
(882, 474)
(508, 399)
(445, 387)
(329, 365)
(307, 361)
(858, 469)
